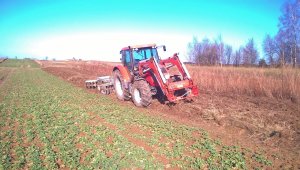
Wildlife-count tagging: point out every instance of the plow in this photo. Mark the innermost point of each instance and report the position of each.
(143, 75)
(103, 84)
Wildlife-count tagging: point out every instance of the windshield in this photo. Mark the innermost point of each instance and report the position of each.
(145, 53)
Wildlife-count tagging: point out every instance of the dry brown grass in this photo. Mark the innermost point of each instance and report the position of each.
(277, 83)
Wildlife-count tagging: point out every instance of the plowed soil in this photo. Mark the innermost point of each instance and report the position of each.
(259, 123)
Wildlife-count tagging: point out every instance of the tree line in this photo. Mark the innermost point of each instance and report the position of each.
(217, 52)
(279, 50)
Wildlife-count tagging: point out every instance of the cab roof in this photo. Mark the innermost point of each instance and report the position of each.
(139, 46)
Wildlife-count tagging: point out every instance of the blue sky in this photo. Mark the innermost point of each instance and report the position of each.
(95, 29)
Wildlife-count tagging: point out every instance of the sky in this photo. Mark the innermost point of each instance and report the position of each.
(98, 29)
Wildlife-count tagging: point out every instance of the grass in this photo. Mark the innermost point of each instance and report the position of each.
(47, 123)
(19, 63)
(269, 82)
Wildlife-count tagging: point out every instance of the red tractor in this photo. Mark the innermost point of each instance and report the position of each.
(144, 74)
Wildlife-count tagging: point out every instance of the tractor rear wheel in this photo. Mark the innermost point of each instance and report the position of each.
(141, 93)
(119, 86)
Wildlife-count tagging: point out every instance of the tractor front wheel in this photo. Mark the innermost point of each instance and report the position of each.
(141, 93)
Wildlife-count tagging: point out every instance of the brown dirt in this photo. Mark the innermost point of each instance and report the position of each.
(79, 146)
(258, 123)
(97, 120)
(138, 142)
(81, 134)
(134, 129)
(110, 140)
(83, 156)
(4, 76)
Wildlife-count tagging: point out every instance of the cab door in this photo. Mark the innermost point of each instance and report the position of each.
(127, 59)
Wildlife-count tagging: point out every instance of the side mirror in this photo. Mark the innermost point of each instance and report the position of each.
(164, 47)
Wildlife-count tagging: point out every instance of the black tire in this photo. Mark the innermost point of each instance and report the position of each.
(160, 96)
(141, 93)
(119, 86)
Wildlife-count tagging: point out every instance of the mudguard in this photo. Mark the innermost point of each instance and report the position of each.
(124, 71)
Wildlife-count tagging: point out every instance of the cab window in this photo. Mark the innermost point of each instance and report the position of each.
(127, 59)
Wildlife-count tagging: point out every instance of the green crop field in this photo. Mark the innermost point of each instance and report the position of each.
(47, 123)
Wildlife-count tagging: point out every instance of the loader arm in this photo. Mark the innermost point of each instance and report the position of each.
(175, 61)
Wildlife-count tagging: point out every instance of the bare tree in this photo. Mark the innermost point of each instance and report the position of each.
(262, 62)
(207, 52)
(203, 52)
(192, 50)
(220, 51)
(250, 53)
(281, 49)
(228, 54)
(237, 57)
(269, 47)
(289, 30)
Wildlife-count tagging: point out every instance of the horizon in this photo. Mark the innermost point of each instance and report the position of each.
(97, 30)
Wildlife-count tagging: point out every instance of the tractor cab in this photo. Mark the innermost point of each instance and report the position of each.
(132, 55)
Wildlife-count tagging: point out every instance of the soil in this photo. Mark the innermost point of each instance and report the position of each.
(4, 76)
(260, 123)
